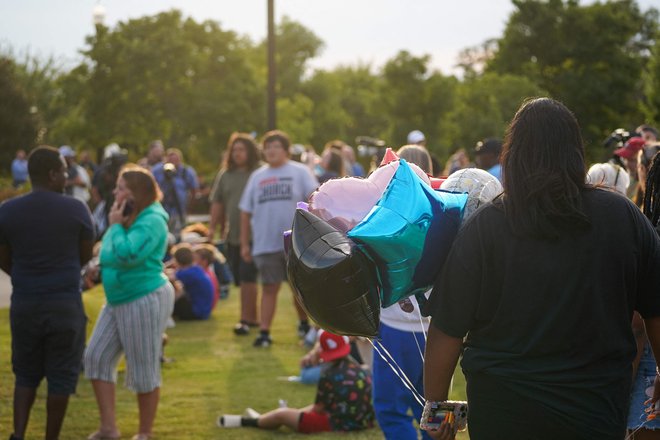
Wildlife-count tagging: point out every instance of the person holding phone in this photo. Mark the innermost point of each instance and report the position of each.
(139, 300)
(538, 292)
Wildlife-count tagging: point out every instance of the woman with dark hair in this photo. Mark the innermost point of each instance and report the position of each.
(332, 165)
(649, 169)
(241, 159)
(644, 366)
(139, 301)
(542, 283)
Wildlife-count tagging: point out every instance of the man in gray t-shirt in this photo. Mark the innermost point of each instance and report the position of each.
(267, 208)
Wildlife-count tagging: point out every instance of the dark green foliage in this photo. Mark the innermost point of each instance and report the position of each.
(590, 57)
(18, 119)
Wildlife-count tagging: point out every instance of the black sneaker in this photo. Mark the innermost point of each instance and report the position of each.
(303, 328)
(263, 341)
(241, 329)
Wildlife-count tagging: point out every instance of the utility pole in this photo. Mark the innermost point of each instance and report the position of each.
(272, 73)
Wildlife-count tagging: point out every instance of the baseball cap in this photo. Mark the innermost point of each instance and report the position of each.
(67, 151)
(416, 136)
(630, 148)
(489, 145)
(333, 346)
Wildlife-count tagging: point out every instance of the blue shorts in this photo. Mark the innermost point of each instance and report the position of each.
(48, 338)
(642, 390)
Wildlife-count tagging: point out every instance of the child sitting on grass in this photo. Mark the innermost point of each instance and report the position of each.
(204, 256)
(343, 397)
(194, 289)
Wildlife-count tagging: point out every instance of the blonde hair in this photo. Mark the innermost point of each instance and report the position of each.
(418, 155)
(609, 175)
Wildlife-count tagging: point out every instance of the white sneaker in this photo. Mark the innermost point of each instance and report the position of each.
(251, 413)
(229, 421)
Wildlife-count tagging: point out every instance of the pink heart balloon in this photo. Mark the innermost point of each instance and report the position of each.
(344, 202)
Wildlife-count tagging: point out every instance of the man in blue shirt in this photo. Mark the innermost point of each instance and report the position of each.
(178, 182)
(45, 239)
(19, 169)
(487, 156)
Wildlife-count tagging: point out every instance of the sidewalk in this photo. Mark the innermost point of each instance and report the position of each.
(5, 290)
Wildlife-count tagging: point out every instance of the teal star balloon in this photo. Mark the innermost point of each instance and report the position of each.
(408, 234)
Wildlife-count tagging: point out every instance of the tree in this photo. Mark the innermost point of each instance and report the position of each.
(346, 104)
(590, 57)
(484, 105)
(172, 78)
(651, 103)
(18, 120)
(295, 46)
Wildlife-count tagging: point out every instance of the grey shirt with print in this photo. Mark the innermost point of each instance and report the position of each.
(270, 197)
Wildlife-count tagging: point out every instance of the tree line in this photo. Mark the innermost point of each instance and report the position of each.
(192, 83)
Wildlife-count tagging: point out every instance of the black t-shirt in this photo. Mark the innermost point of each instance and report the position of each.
(552, 319)
(43, 230)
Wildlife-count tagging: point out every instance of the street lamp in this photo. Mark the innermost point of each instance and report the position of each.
(272, 74)
(98, 14)
(98, 17)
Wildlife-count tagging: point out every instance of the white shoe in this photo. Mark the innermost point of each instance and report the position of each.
(251, 413)
(229, 421)
(170, 323)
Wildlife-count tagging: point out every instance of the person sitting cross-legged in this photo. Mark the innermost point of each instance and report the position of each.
(343, 397)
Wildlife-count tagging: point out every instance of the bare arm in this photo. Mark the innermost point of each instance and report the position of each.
(246, 232)
(86, 251)
(5, 258)
(217, 218)
(640, 340)
(441, 356)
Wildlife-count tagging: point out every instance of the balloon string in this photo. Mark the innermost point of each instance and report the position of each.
(398, 372)
(423, 328)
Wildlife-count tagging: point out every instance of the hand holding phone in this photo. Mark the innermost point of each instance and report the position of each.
(449, 412)
(129, 205)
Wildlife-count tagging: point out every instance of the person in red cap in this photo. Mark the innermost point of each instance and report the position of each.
(343, 397)
(629, 153)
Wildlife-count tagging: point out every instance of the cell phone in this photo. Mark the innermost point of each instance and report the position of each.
(435, 413)
(128, 208)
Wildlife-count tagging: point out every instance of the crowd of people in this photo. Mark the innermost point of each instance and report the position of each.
(547, 294)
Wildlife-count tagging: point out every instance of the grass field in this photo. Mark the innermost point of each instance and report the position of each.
(213, 372)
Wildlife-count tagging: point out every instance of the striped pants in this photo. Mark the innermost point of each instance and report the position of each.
(134, 328)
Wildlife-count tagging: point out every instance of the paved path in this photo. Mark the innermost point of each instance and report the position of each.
(5, 290)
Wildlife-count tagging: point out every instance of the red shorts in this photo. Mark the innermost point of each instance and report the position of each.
(313, 421)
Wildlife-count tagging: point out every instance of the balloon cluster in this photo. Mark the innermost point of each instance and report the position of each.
(367, 243)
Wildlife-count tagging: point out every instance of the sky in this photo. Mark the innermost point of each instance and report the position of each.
(354, 31)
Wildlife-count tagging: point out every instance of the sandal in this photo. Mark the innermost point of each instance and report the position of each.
(99, 436)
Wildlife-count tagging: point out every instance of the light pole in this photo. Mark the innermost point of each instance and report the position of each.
(98, 15)
(272, 73)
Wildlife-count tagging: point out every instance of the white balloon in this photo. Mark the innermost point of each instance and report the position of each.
(480, 186)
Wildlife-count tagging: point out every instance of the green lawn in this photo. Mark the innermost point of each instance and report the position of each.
(213, 372)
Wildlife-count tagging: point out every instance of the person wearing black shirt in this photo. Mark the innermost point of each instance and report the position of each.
(45, 239)
(538, 293)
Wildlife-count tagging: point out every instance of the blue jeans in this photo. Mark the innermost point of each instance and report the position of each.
(392, 399)
(643, 381)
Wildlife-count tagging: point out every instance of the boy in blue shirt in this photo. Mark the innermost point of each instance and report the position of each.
(195, 291)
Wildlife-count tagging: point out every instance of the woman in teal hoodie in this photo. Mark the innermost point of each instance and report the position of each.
(139, 301)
